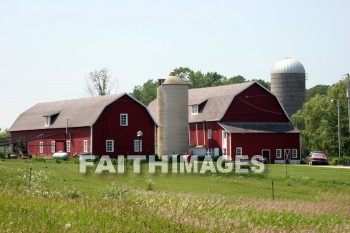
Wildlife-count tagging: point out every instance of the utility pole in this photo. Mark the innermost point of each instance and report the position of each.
(339, 133)
(348, 96)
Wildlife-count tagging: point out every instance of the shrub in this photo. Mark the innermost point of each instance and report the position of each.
(340, 161)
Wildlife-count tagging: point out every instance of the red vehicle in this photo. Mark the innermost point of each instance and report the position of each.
(318, 157)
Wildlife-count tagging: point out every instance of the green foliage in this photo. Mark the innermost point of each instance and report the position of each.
(196, 79)
(318, 89)
(318, 121)
(146, 93)
(4, 135)
(340, 161)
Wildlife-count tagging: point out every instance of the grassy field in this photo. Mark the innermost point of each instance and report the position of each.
(60, 199)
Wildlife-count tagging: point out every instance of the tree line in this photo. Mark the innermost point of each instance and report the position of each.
(196, 79)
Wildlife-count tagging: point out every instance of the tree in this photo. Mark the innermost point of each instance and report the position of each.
(318, 89)
(318, 121)
(264, 83)
(145, 93)
(100, 82)
(236, 79)
(4, 134)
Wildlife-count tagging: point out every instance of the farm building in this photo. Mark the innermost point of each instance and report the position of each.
(239, 119)
(103, 125)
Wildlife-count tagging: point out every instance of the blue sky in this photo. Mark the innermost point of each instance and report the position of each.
(47, 48)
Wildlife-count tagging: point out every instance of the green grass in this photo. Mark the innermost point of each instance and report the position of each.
(60, 199)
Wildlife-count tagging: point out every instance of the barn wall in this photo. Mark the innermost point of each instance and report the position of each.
(107, 127)
(253, 143)
(255, 104)
(76, 136)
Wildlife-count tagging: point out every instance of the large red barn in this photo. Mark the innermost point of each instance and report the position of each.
(103, 125)
(240, 119)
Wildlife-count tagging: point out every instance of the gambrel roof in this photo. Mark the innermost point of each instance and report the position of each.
(213, 102)
(79, 112)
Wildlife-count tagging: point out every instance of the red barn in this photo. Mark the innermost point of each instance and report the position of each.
(240, 119)
(103, 125)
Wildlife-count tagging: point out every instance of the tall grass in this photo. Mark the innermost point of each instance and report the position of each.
(52, 204)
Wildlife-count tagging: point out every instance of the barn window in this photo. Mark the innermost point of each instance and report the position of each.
(47, 120)
(294, 153)
(85, 146)
(53, 146)
(123, 119)
(68, 146)
(138, 145)
(41, 147)
(194, 109)
(239, 151)
(278, 153)
(209, 133)
(109, 145)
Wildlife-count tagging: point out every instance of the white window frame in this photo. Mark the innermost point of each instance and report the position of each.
(53, 146)
(47, 120)
(124, 119)
(41, 147)
(110, 148)
(294, 153)
(209, 134)
(239, 151)
(68, 145)
(86, 146)
(194, 109)
(278, 153)
(138, 145)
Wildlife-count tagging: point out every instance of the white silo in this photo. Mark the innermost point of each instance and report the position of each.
(172, 101)
(288, 84)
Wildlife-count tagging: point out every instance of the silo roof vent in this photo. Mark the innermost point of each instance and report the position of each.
(174, 80)
(288, 66)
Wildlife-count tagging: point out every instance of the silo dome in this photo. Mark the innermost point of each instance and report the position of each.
(288, 66)
(288, 84)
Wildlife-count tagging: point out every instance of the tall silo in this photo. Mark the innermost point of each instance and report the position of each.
(172, 97)
(288, 84)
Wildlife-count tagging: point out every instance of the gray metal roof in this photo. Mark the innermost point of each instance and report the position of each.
(79, 112)
(258, 127)
(216, 99)
(288, 66)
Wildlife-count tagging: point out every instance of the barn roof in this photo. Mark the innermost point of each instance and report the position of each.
(216, 100)
(258, 127)
(79, 112)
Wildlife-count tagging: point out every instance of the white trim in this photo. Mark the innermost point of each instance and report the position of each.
(194, 109)
(279, 157)
(91, 138)
(107, 141)
(41, 147)
(138, 145)
(47, 121)
(296, 152)
(53, 146)
(85, 146)
(121, 120)
(239, 148)
(68, 144)
(210, 133)
(230, 146)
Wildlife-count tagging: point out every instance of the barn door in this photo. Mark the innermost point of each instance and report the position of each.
(60, 145)
(286, 155)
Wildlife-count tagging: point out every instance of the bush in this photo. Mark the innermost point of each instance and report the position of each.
(340, 161)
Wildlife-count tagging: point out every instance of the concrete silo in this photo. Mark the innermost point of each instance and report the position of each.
(288, 84)
(172, 97)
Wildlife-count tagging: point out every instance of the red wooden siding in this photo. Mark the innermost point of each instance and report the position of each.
(59, 136)
(107, 127)
(253, 143)
(255, 104)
